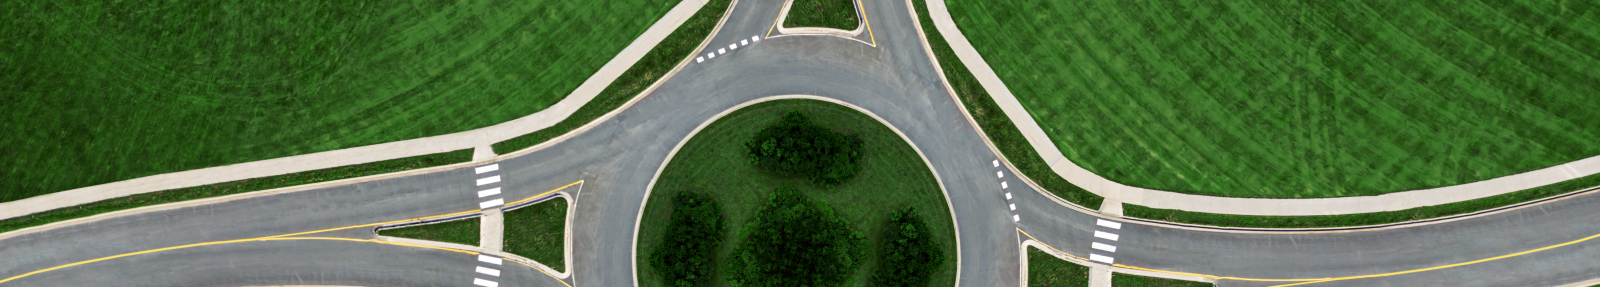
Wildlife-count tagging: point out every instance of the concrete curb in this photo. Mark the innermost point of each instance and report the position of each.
(1094, 183)
(481, 137)
(1080, 261)
(566, 234)
(861, 24)
(674, 152)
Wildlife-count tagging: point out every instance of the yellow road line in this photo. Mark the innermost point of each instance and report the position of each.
(543, 194)
(277, 237)
(869, 27)
(1321, 280)
(553, 276)
(774, 24)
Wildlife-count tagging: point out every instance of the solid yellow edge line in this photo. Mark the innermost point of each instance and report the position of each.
(869, 30)
(1047, 245)
(553, 276)
(543, 194)
(280, 236)
(225, 242)
(774, 24)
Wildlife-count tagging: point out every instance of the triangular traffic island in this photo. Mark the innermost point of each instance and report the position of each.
(538, 232)
(464, 231)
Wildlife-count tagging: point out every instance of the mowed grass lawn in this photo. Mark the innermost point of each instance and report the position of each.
(1301, 98)
(892, 177)
(96, 91)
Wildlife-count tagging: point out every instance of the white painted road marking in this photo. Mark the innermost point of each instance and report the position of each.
(722, 51)
(489, 271)
(490, 259)
(755, 38)
(1100, 246)
(488, 192)
(1106, 235)
(711, 55)
(999, 174)
(488, 180)
(744, 42)
(1003, 185)
(1008, 196)
(484, 283)
(1101, 258)
(1108, 223)
(1013, 206)
(699, 59)
(733, 46)
(497, 201)
(487, 168)
(997, 163)
(1016, 218)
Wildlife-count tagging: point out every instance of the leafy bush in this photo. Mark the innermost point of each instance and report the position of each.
(908, 254)
(795, 147)
(687, 253)
(794, 241)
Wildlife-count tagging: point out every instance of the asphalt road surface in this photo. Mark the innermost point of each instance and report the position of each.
(617, 159)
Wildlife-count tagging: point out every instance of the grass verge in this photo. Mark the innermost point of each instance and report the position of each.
(93, 92)
(234, 187)
(463, 231)
(892, 177)
(1048, 271)
(999, 128)
(837, 14)
(657, 63)
(1125, 280)
(1300, 98)
(1362, 219)
(538, 232)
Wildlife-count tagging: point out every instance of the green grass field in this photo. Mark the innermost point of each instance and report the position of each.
(538, 232)
(96, 92)
(1048, 271)
(1300, 99)
(714, 161)
(1125, 280)
(837, 14)
(463, 231)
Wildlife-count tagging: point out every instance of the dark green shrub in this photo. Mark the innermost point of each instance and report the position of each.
(795, 147)
(687, 253)
(908, 254)
(794, 241)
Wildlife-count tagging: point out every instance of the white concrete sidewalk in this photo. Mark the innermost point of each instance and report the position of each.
(1228, 205)
(478, 138)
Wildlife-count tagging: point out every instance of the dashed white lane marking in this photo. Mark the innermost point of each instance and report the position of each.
(1003, 185)
(721, 51)
(1103, 247)
(755, 38)
(1101, 258)
(489, 271)
(711, 55)
(1108, 223)
(1008, 196)
(733, 46)
(997, 163)
(1016, 218)
(1105, 235)
(999, 174)
(490, 259)
(484, 283)
(1013, 206)
(488, 192)
(744, 42)
(487, 168)
(488, 180)
(497, 201)
(699, 59)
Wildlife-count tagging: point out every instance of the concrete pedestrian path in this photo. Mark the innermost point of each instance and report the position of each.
(479, 139)
(1117, 192)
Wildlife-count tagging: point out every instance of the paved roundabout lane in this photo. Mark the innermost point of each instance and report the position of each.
(617, 159)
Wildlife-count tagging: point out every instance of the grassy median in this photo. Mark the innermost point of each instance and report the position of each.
(95, 92)
(892, 177)
(1300, 98)
(538, 232)
(837, 14)
(463, 232)
(1000, 130)
(1125, 280)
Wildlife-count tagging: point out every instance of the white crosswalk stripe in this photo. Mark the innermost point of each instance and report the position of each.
(1101, 258)
(488, 180)
(1105, 235)
(1103, 247)
(487, 168)
(484, 283)
(490, 259)
(1108, 223)
(488, 271)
